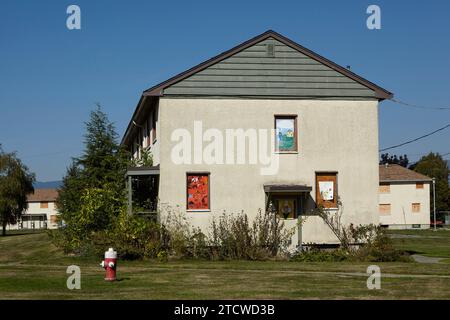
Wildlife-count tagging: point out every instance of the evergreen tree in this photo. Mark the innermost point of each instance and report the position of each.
(93, 190)
(100, 159)
(393, 159)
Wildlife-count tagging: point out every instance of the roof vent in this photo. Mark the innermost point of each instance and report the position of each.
(270, 50)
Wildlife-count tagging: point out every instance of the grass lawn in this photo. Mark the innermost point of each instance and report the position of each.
(32, 268)
(424, 242)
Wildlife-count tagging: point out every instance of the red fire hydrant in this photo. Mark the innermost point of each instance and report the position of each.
(110, 264)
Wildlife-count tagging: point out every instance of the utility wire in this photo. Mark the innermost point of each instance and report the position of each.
(418, 106)
(413, 140)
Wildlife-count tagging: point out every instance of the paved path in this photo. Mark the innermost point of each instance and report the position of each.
(424, 259)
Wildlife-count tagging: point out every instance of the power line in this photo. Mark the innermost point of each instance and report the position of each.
(418, 106)
(413, 140)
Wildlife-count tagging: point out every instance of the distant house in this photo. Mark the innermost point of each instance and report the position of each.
(42, 212)
(404, 198)
(266, 122)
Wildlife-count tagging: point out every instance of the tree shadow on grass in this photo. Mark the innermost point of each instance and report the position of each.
(22, 233)
(122, 279)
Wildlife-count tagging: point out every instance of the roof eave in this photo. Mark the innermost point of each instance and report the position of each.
(405, 181)
(136, 111)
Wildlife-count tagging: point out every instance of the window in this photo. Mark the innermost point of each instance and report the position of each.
(384, 188)
(145, 135)
(148, 130)
(53, 219)
(326, 189)
(385, 209)
(285, 206)
(415, 207)
(154, 125)
(286, 133)
(419, 185)
(44, 205)
(197, 191)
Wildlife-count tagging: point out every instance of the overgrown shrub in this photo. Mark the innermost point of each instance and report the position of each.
(233, 236)
(183, 240)
(379, 247)
(371, 245)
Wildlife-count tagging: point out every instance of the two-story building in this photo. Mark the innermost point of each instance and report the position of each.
(404, 198)
(42, 212)
(267, 121)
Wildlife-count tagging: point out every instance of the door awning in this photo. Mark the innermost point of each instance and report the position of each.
(143, 171)
(287, 188)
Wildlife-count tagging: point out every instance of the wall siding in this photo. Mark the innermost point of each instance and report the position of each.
(288, 73)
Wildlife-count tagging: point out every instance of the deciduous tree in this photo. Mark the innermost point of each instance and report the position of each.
(16, 182)
(434, 166)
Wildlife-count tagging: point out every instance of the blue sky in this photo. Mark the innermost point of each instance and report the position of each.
(51, 77)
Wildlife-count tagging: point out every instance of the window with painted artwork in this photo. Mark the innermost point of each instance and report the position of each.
(326, 189)
(286, 133)
(286, 207)
(197, 191)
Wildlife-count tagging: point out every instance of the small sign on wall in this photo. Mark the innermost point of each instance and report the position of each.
(326, 190)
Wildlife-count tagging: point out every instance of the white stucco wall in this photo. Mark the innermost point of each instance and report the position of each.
(401, 197)
(337, 136)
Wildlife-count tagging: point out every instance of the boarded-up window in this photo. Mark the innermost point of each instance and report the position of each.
(326, 189)
(416, 207)
(384, 188)
(44, 205)
(385, 209)
(286, 133)
(419, 185)
(54, 219)
(197, 191)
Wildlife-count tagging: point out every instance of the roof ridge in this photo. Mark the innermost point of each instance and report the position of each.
(400, 173)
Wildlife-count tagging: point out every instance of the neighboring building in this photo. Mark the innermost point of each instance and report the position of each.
(404, 198)
(41, 213)
(320, 121)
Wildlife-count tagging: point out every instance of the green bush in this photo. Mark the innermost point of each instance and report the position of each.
(98, 211)
(137, 237)
(315, 254)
